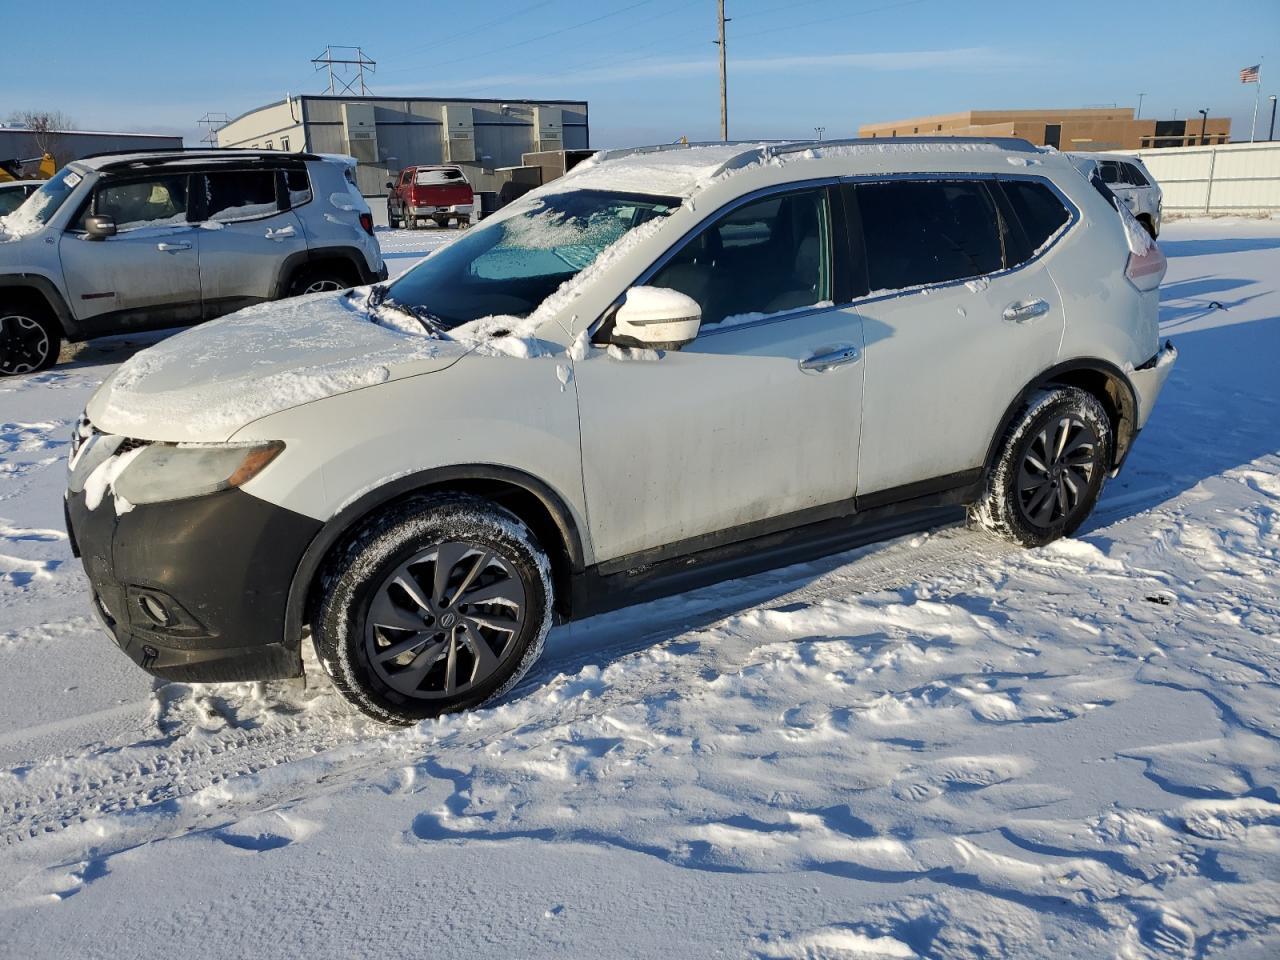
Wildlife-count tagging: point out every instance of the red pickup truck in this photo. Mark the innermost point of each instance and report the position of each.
(439, 193)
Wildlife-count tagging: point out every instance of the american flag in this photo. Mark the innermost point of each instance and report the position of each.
(1250, 74)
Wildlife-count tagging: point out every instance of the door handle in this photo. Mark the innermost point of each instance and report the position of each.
(1026, 311)
(822, 362)
(172, 247)
(280, 234)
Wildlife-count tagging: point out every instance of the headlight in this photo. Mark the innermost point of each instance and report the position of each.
(166, 471)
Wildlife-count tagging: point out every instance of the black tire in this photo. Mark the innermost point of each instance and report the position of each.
(382, 593)
(30, 338)
(393, 221)
(441, 222)
(319, 279)
(1050, 468)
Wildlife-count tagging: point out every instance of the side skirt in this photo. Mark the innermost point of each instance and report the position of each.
(768, 545)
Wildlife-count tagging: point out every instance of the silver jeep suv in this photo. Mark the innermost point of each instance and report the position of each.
(135, 241)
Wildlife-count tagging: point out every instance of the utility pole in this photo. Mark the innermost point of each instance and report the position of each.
(1272, 134)
(1138, 116)
(724, 79)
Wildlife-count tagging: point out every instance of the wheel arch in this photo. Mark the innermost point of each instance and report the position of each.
(534, 502)
(1099, 377)
(349, 258)
(47, 292)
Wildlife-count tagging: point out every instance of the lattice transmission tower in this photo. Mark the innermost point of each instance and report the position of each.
(346, 67)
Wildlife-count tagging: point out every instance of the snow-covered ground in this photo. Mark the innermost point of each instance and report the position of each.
(942, 747)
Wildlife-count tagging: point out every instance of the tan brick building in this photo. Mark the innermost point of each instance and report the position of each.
(1091, 129)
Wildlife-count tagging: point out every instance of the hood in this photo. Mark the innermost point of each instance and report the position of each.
(206, 383)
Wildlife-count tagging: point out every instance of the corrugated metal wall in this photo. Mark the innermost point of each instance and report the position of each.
(1240, 178)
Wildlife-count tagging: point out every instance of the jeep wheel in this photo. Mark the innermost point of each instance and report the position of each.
(29, 340)
(1050, 468)
(440, 604)
(319, 280)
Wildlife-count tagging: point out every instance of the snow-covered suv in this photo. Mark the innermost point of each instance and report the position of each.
(669, 367)
(130, 241)
(1129, 179)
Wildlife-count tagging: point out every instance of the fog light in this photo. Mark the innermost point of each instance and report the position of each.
(154, 609)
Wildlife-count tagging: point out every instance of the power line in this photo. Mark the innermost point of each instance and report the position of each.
(544, 36)
(471, 31)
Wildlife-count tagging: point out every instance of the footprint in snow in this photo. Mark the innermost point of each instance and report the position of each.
(957, 774)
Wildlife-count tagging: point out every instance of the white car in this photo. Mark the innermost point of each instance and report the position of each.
(669, 367)
(131, 241)
(1129, 179)
(14, 193)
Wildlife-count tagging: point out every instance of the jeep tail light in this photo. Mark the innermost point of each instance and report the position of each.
(366, 221)
(1146, 270)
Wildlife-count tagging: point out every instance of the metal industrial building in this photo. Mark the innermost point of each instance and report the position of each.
(386, 134)
(1114, 128)
(20, 143)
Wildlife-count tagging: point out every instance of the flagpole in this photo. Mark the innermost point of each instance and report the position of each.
(1256, 93)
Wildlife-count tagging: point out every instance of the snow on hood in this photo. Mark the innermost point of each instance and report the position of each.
(208, 382)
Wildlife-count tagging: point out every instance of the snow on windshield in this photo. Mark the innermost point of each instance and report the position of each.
(40, 206)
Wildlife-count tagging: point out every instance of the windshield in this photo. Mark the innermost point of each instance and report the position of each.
(508, 267)
(44, 203)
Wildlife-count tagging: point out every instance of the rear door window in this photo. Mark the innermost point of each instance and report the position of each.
(918, 232)
(1112, 175)
(231, 195)
(1038, 209)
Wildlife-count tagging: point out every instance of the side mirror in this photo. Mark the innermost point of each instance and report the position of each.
(99, 228)
(391, 184)
(658, 318)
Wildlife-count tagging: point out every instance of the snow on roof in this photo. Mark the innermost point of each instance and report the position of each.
(680, 170)
(670, 171)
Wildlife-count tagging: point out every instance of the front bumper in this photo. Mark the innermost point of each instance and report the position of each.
(1148, 380)
(217, 570)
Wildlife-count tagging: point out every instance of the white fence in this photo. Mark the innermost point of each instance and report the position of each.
(1236, 178)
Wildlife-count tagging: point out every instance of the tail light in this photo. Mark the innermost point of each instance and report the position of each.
(1146, 270)
(366, 221)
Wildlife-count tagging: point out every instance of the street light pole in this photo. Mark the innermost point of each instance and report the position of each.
(1204, 119)
(1138, 116)
(1271, 134)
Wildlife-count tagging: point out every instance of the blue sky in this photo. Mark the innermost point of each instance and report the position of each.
(648, 67)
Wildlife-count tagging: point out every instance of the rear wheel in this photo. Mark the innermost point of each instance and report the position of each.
(1050, 470)
(392, 220)
(1148, 224)
(320, 279)
(440, 604)
(441, 222)
(29, 339)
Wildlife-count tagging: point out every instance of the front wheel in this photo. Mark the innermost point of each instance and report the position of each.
(29, 340)
(1050, 468)
(438, 605)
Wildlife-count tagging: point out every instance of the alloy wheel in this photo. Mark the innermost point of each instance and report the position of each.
(24, 344)
(445, 621)
(323, 286)
(1056, 472)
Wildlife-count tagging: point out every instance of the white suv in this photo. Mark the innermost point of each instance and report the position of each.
(1129, 179)
(669, 367)
(133, 241)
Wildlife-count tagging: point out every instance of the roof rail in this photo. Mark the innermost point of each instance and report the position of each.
(1015, 144)
(138, 155)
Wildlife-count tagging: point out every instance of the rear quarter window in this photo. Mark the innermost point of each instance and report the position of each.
(1039, 210)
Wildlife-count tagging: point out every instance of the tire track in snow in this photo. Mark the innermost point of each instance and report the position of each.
(48, 795)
